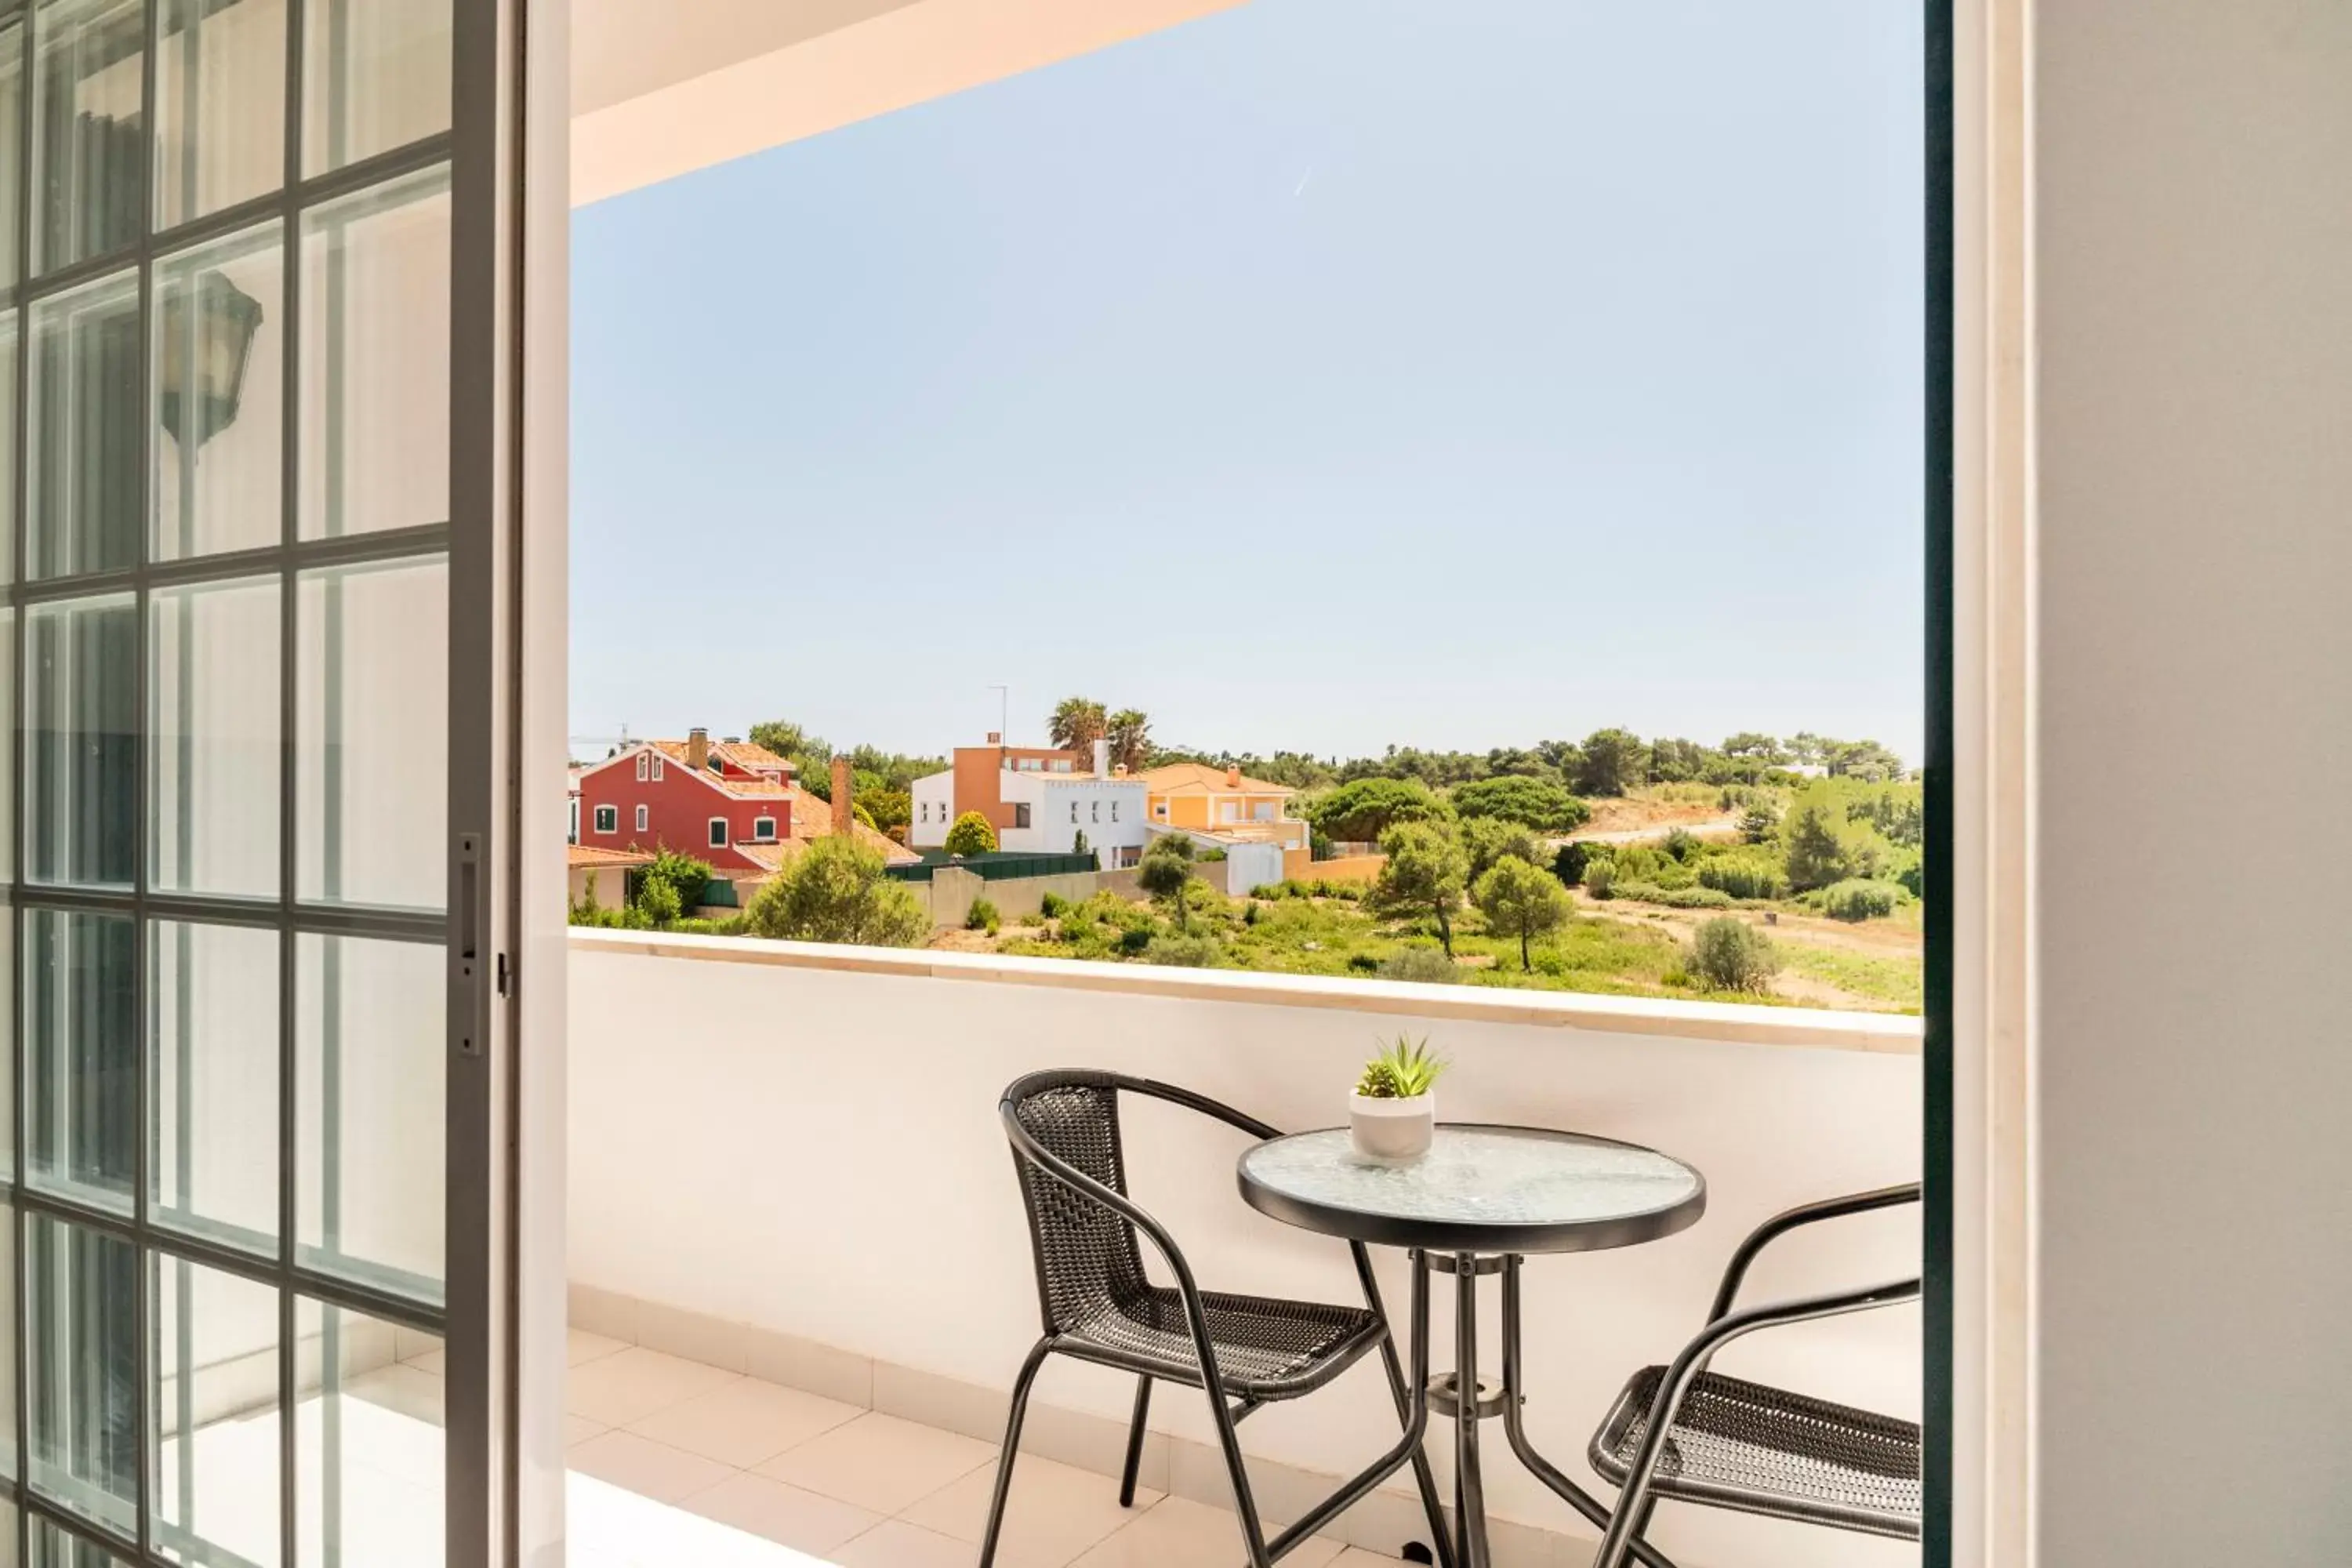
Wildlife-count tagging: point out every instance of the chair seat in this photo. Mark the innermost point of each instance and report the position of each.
(1265, 1349)
(1763, 1451)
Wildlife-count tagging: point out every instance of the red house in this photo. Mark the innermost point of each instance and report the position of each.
(724, 804)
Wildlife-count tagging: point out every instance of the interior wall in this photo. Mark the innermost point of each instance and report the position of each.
(2193, 436)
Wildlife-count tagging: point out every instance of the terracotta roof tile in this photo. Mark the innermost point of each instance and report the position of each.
(596, 855)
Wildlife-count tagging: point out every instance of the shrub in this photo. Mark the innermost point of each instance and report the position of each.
(1364, 963)
(658, 901)
(981, 916)
(835, 890)
(1249, 913)
(971, 835)
(1053, 906)
(1532, 803)
(1423, 965)
(682, 872)
(1682, 844)
(1183, 952)
(1134, 938)
(1744, 876)
(1346, 892)
(1573, 857)
(1600, 876)
(1675, 897)
(1728, 954)
(1860, 901)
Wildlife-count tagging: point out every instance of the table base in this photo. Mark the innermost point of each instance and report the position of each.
(1469, 1547)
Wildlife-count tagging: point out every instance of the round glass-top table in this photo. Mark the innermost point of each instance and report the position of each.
(1481, 1199)
(1479, 1189)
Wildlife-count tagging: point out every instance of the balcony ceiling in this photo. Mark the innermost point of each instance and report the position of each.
(659, 91)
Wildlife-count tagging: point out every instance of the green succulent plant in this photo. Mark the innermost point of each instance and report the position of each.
(1403, 1068)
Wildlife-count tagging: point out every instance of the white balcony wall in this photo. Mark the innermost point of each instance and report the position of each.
(815, 1151)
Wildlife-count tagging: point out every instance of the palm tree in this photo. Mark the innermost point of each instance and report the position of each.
(1130, 734)
(1076, 724)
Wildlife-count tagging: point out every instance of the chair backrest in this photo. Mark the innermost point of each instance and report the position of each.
(1088, 1261)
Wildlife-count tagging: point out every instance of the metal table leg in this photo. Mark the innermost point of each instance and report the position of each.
(1469, 1485)
(1514, 1426)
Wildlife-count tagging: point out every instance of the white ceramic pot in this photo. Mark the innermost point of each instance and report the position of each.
(1391, 1132)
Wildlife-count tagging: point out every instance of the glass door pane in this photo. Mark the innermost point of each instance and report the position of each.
(240, 562)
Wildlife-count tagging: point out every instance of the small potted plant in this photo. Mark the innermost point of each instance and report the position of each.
(1392, 1115)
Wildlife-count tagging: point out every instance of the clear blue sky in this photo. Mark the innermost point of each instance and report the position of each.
(1321, 375)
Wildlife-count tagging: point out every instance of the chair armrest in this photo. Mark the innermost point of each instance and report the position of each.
(1176, 1095)
(1782, 1224)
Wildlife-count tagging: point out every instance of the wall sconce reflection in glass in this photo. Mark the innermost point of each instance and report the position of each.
(202, 375)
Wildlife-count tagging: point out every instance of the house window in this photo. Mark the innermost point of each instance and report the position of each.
(1073, 811)
(1161, 811)
(763, 829)
(645, 818)
(718, 833)
(657, 767)
(1114, 810)
(1020, 815)
(644, 767)
(1096, 814)
(608, 819)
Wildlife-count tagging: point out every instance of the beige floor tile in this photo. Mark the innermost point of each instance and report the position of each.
(435, 1362)
(1179, 1533)
(745, 1423)
(641, 1465)
(785, 1515)
(878, 1462)
(631, 1384)
(1357, 1557)
(895, 1543)
(1056, 1512)
(580, 1347)
(579, 1429)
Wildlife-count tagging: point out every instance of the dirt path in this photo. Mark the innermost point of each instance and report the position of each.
(1706, 828)
(1879, 939)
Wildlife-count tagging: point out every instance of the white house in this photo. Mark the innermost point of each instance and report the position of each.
(1040, 802)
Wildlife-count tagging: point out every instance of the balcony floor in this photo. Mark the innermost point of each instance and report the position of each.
(672, 1461)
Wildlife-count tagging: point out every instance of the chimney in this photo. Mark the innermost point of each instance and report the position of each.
(842, 819)
(1234, 777)
(698, 748)
(1102, 758)
(996, 737)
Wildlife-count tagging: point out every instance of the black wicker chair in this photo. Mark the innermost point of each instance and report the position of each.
(1099, 1306)
(1684, 1432)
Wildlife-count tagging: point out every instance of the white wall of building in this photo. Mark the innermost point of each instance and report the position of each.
(934, 807)
(1109, 812)
(886, 1191)
(2193, 449)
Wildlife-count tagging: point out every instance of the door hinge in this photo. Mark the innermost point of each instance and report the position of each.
(502, 974)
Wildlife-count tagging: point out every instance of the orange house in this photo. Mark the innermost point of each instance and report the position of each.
(1222, 802)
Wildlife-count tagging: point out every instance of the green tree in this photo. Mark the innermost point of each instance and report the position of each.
(1166, 873)
(1824, 845)
(1128, 730)
(1363, 809)
(1076, 724)
(1865, 760)
(835, 890)
(1520, 901)
(1614, 761)
(1487, 839)
(810, 754)
(1539, 804)
(1760, 823)
(1730, 955)
(970, 835)
(657, 901)
(891, 809)
(1423, 877)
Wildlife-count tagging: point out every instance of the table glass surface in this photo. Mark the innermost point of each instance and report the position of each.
(1478, 1176)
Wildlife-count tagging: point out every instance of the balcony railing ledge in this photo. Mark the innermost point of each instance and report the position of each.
(1805, 1027)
